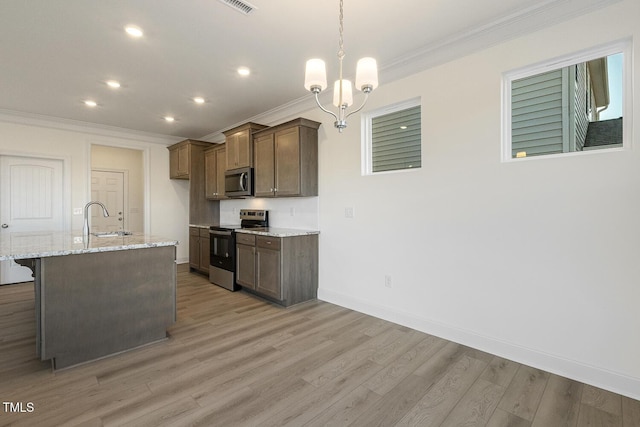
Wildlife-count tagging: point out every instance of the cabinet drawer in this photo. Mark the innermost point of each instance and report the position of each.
(204, 232)
(245, 239)
(194, 231)
(268, 242)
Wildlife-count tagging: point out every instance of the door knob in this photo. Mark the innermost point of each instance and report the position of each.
(5, 226)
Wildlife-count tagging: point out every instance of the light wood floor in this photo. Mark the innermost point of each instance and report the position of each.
(234, 360)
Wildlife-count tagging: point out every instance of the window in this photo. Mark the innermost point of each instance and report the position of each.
(392, 138)
(570, 104)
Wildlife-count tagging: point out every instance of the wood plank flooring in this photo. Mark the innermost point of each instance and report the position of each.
(234, 360)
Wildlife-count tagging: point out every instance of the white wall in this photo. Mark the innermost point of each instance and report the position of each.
(167, 205)
(536, 260)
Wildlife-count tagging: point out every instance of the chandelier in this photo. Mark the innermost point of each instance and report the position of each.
(366, 80)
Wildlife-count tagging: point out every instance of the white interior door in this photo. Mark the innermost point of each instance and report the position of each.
(108, 187)
(31, 199)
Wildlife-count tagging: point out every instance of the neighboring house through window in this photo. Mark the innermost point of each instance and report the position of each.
(554, 112)
(568, 104)
(392, 138)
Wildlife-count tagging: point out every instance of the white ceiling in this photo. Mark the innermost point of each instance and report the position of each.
(54, 54)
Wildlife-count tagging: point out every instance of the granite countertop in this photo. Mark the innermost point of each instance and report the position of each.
(277, 232)
(56, 243)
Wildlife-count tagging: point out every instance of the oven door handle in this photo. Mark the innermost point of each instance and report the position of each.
(220, 233)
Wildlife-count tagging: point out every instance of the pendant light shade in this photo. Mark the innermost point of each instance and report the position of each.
(315, 75)
(347, 93)
(367, 74)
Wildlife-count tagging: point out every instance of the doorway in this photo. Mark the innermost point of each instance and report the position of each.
(117, 180)
(31, 200)
(110, 188)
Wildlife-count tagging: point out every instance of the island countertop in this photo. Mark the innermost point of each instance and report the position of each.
(39, 244)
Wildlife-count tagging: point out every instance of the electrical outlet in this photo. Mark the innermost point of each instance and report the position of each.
(77, 240)
(77, 211)
(387, 281)
(349, 212)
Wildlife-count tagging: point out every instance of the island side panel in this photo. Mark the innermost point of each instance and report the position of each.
(97, 304)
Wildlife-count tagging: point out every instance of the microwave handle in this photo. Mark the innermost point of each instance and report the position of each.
(243, 181)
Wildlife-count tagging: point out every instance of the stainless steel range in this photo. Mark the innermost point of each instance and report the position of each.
(222, 263)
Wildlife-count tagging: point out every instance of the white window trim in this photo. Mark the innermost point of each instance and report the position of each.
(620, 46)
(366, 139)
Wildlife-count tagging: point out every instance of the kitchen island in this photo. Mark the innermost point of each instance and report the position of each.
(96, 296)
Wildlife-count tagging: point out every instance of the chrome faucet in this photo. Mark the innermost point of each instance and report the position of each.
(85, 229)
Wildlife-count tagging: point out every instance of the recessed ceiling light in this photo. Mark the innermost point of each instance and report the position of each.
(169, 119)
(244, 71)
(198, 100)
(90, 103)
(113, 84)
(133, 31)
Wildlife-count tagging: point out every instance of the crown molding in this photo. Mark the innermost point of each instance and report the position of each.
(533, 18)
(30, 119)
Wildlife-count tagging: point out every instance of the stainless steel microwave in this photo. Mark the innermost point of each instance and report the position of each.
(238, 182)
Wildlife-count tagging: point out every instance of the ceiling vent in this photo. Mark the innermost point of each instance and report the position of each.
(241, 6)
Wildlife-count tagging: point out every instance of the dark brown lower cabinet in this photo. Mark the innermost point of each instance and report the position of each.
(199, 249)
(245, 260)
(281, 269)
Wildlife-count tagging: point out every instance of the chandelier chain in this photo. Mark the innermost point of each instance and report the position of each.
(341, 39)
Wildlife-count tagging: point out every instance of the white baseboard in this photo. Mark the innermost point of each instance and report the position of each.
(556, 364)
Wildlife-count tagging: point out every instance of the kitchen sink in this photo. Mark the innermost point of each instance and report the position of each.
(112, 233)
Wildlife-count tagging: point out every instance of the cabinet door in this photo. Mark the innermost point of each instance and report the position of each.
(183, 160)
(231, 156)
(287, 162)
(179, 162)
(245, 266)
(239, 151)
(205, 250)
(215, 167)
(210, 175)
(264, 166)
(268, 273)
(194, 249)
(244, 150)
(221, 168)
